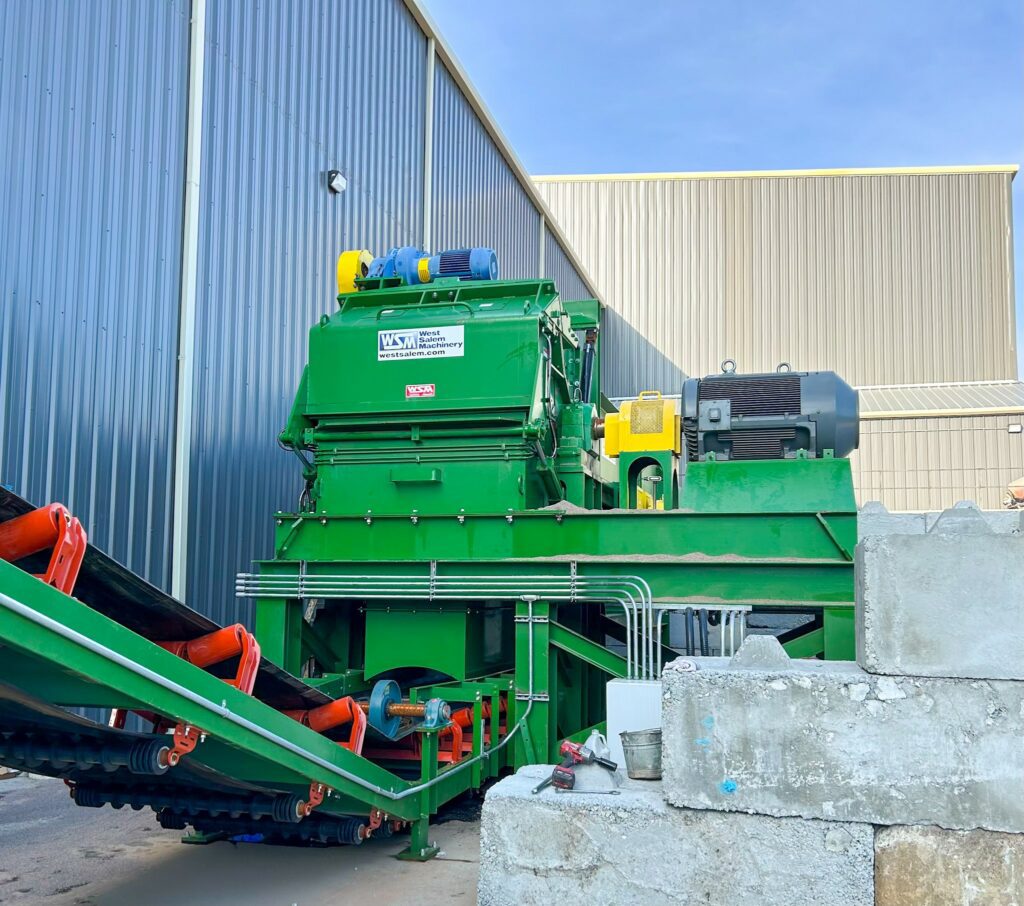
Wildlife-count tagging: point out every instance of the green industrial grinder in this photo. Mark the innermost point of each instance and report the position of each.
(481, 542)
(460, 530)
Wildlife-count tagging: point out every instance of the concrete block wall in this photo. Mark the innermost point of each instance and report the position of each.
(632, 849)
(928, 866)
(948, 602)
(895, 780)
(828, 740)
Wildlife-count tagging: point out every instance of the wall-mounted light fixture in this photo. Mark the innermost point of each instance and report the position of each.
(336, 182)
(1014, 429)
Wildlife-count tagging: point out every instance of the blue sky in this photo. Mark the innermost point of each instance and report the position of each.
(595, 86)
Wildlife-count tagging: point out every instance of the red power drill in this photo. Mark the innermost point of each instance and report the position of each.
(564, 774)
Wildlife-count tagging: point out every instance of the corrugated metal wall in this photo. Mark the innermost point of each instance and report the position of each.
(559, 268)
(292, 90)
(931, 463)
(477, 198)
(92, 114)
(884, 278)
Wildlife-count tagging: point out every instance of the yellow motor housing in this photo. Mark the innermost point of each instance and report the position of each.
(646, 424)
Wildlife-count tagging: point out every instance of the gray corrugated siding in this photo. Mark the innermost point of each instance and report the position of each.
(477, 198)
(559, 268)
(887, 279)
(92, 114)
(931, 463)
(292, 90)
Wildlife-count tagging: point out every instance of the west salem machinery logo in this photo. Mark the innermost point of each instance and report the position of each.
(418, 391)
(420, 343)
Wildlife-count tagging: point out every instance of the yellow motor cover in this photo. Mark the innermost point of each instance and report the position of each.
(646, 424)
(352, 264)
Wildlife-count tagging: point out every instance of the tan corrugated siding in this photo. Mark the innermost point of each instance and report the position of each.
(885, 278)
(931, 463)
(920, 400)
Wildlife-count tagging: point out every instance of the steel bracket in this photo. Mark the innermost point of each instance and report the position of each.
(185, 739)
(317, 792)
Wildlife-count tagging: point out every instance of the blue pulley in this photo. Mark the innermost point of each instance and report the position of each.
(385, 694)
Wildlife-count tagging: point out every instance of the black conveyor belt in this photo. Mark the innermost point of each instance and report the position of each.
(125, 597)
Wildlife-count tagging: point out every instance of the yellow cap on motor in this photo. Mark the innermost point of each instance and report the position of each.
(352, 264)
(423, 270)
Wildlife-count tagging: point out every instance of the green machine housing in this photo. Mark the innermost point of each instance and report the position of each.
(440, 400)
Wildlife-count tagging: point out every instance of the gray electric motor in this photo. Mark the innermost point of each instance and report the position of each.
(769, 416)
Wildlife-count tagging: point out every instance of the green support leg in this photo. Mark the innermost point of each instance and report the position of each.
(840, 639)
(279, 632)
(198, 838)
(420, 849)
(478, 740)
(534, 744)
(497, 759)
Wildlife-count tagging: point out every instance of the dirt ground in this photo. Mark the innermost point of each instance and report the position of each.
(53, 852)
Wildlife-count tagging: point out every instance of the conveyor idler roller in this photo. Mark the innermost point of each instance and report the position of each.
(33, 751)
(328, 830)
(282, 809)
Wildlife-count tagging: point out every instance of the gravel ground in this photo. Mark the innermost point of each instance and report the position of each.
(55, 853)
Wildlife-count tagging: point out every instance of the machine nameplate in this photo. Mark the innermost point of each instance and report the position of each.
(420, 343)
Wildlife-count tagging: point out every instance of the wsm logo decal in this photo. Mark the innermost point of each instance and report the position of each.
(397, 340)
(420, 343)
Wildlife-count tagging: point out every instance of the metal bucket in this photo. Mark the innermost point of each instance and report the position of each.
(642, 750)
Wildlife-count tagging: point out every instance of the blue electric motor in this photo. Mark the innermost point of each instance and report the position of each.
(415, 266)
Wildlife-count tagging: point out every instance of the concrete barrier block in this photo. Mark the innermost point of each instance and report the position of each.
(874, 519)
(829, 740)
(929, 866)
(949, 603)
(760, 652)
(959, 516)
(633, 848)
